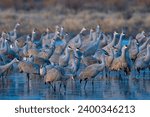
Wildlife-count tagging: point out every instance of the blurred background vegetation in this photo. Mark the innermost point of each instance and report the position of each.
(130, 15)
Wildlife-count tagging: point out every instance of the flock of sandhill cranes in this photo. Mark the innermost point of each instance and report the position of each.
(59, 57)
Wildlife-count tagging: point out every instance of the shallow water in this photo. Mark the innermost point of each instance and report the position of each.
(16, 87)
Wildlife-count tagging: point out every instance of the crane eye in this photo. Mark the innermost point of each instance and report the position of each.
(77, 49)
(126, 46)
(69, 47)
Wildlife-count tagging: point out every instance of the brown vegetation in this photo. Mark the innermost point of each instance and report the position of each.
(73, 15)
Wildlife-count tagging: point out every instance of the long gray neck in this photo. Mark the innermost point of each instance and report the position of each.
(16, 26)
(32, 38)
(98, 40)
(102, 65)
(144, 45)
(123, 55)
(55, 36)
(25, 49)
(112, 54)
(47, 35)
(15, 33)
(79, 42)
(16, 46)
(67, 54)
(7, 47)
(61, 32)
(97, 31)
(104, 37)
(120, 42)
(147, 57)
(5, 67)
(114, 40)
(74, 65)
(90, 36)
(129, 43)
(2, 43)
(103, 60)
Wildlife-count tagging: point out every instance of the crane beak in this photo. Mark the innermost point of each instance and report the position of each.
(17, 61)
(126, 46)
(72, 77)
(77, 49)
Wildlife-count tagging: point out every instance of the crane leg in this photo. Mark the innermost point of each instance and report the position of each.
(28, 77)
(80, 81)
(65, 86)
(85, 83)
(60, 86)
(144, 73)
(52, 86)
(92, 83)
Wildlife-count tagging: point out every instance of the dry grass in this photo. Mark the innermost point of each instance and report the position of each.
(76, 4)
(143, 2)
(73, 22)
(73, 15)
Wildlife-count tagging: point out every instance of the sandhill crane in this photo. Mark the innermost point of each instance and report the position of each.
(121, 63)
(4, 48)
(13, 34)
(45, 39)
(144, 45)
(21, 41)
(57, 57)
(64, 58)
(87, 40)
(75, 64)
(140, 37)
(133, 48)
(88, 60)
(2, 39)
(142, 53)
(55, 34)
(33, 35)
(111, 44)
(29, 68)
(99, 53)
(119, 45)
(92, 48)
(96, 33)
(55, 74)
(3, 68)
(91, 71)
(103, 41)
(143, 61)
(76, 42)
(90, 39)
(62, 33)
(91, 35)
(47, 52)
(38, 60)
(109, 59)
(54, 59)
